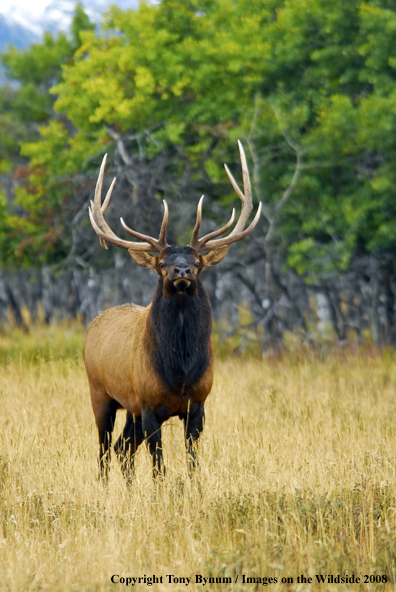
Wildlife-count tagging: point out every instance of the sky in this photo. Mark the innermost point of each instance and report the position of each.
(36, 16)
(35, 7)
(30, 13)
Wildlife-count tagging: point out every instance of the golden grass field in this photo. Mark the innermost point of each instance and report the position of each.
(297, 477)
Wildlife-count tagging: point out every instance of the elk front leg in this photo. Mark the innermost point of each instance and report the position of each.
(127, 444)
(105, 414)
(152, 421)
(193, 426)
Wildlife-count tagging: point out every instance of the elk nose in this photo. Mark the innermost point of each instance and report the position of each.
(182, 270)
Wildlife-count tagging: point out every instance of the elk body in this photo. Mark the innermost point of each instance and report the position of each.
(157, 362)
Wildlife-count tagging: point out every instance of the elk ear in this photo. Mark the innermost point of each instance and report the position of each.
(143, 259)
(214, 256)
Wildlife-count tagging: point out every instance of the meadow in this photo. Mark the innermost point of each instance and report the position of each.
(296, 478)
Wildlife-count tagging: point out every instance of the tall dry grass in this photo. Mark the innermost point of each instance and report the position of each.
(297, 476)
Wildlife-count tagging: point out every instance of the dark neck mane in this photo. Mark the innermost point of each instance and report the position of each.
(178, 333)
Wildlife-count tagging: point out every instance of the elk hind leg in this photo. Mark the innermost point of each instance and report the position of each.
(128, 443)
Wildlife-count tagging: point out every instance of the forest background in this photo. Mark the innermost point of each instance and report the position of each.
(166, 90)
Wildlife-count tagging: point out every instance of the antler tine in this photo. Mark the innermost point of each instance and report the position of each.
(108, 195)
(164, 225)
(104, 231)
(233, 238)
(96, 210)
(234, 183)
(245, 173)
(246, 198)
(238, 233)
(99, 183)
(103, 208)
(113, 239)
(159, 244)
(200, 244)
(142, 237)
(96, 204)
(194, 238)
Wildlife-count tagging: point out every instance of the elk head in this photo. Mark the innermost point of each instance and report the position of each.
(178, 266)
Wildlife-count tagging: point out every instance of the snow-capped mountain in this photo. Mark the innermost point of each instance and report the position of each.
(24, 21)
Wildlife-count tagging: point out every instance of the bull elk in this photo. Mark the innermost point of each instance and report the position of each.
(157, 362)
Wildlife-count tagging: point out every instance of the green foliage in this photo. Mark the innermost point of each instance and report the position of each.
(192, 77)
(30, 227)
(170, 65)
(333, 67)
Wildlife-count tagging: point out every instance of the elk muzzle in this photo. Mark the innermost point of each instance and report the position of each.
(181, 284)
(182, 276)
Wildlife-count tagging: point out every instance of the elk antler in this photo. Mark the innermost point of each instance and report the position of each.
(206, 243)
(104, 231)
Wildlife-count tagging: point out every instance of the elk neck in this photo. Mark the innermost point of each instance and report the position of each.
(178, 333)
